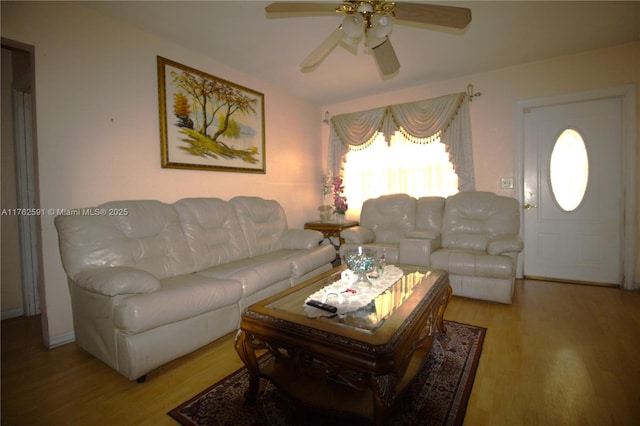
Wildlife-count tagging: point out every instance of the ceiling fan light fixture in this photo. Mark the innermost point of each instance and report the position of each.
(353, 25)
(381, 25)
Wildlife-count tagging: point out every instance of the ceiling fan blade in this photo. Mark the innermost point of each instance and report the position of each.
(446, 16)
(386, 58)
(321, 52)
(301, 7)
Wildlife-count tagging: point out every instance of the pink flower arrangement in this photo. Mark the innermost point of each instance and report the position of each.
(340, 205)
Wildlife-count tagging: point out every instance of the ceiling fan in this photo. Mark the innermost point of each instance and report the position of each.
(371, 20)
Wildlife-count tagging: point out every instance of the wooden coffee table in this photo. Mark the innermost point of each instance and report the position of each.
(352, 363)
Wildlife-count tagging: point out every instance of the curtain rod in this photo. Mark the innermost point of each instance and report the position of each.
(470, 93)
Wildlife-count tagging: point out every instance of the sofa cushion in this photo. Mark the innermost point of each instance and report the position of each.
(301, 239)
(472, 263)
(305, 261)
(389, 216)
(426, 235)
(471, 219)
(429, 214)
(256, 273)
(358, 235)
(146, 234)
(212, 231)
(116, 280)
(263, 223)
(179, 298)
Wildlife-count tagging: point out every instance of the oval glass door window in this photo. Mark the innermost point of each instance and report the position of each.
(569, 170)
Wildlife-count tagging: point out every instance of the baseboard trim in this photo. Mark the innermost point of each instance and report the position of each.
(567, 281)
(13, 313)
(61, 339)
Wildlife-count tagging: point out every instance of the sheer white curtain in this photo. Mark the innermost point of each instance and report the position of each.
(398, 167)
(445, 118)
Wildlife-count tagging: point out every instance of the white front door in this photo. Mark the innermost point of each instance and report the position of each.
(580, 239)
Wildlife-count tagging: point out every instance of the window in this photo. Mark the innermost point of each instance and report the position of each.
(402, 167)
(569, 170)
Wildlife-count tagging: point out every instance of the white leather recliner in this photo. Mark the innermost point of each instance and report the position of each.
(472, 235)
(384, 222)
(480, 245)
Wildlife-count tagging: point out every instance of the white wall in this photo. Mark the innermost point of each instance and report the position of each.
(98, 130)
(493, 114)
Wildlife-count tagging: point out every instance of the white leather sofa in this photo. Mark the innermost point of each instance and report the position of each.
(151, 282)
(472, 235)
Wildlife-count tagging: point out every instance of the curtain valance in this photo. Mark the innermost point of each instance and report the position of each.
(446, 117)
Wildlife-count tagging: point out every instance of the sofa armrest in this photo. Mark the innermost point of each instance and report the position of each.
(502, 244)
(111, 281)
(358, 235)
(417, 251)
(301, 239)
(423, 234)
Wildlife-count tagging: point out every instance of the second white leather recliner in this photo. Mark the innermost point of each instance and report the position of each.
(472, 235)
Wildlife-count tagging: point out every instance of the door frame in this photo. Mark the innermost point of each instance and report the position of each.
(28, 224)
(26, 159)
(627, 96)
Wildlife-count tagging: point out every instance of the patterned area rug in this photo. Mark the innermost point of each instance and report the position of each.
(437, 396)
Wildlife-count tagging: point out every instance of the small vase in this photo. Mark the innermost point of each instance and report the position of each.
(340, 217)
(325, 213)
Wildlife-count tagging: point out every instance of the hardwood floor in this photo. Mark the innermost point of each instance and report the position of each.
(561, 354)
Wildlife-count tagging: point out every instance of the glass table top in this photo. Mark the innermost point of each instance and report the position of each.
(369, 317)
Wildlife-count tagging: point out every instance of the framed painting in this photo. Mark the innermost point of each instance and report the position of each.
(207, 123)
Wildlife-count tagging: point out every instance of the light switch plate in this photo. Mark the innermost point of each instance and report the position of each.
(506, 183)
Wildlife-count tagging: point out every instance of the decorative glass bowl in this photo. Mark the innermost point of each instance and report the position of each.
(361, 261)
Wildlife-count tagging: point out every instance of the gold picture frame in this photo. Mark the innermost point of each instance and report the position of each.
(207, 123)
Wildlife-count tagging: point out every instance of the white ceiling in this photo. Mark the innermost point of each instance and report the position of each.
(504, 33)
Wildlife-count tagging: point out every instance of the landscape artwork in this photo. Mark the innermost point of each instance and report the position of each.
(207, 123)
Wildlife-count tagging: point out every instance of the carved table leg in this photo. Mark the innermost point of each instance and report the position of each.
(384, 395)
(247, 354)
(441, 309)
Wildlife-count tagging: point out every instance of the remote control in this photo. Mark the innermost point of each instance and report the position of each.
(323, 306)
